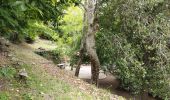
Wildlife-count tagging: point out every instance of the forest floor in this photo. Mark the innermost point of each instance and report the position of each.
(45, 81)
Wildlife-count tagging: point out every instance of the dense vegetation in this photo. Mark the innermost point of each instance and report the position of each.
(134, 36)
(132, 42)
(16, 16)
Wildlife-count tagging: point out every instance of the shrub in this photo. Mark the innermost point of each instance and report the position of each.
(46, 36)
(136, 45)
(55, 55)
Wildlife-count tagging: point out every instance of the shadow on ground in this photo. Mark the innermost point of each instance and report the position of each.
(108, 82)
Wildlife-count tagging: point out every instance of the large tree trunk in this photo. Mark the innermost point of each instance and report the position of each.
(89, 31)
(90, 41)
(83, 41)
(79, 62)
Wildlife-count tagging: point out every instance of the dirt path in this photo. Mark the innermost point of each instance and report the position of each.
(108, 82)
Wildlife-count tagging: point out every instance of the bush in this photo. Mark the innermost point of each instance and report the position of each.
(45, 36)
(55, 55)
(136, 45)
(132, 76)
(137, 69)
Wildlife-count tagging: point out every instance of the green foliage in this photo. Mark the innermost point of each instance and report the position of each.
(7, 72)
(11, 20)
(27, 96)
(54, 55)
(4, 96)
(71, 32)
(133, 37)
(119, 57)
(131, 75)
(14, 14)
(37, 28)
(71, 25)
(159, 86)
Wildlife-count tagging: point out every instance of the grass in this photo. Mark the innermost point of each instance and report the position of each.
(4, 96)
(42, 86)
(48, 45)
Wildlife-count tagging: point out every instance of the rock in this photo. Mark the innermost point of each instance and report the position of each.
(2, 40)
(10, 55)
(7, 44)
(42, 93)
(33, 63)
(23, 73)
(4, 44)
(41, 49)
(14, 59)
(61, 66)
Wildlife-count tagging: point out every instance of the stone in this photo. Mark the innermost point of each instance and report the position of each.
(23, 73)
(10, 55)
(41, 49)
(33, 63)
(4, 45)
(4, 42)
(61, 66)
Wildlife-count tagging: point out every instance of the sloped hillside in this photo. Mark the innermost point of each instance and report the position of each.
(44, 82)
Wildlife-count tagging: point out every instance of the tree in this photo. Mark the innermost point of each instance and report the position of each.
(90, 23)
(83, 40)
(133, 36)
(15, 14)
